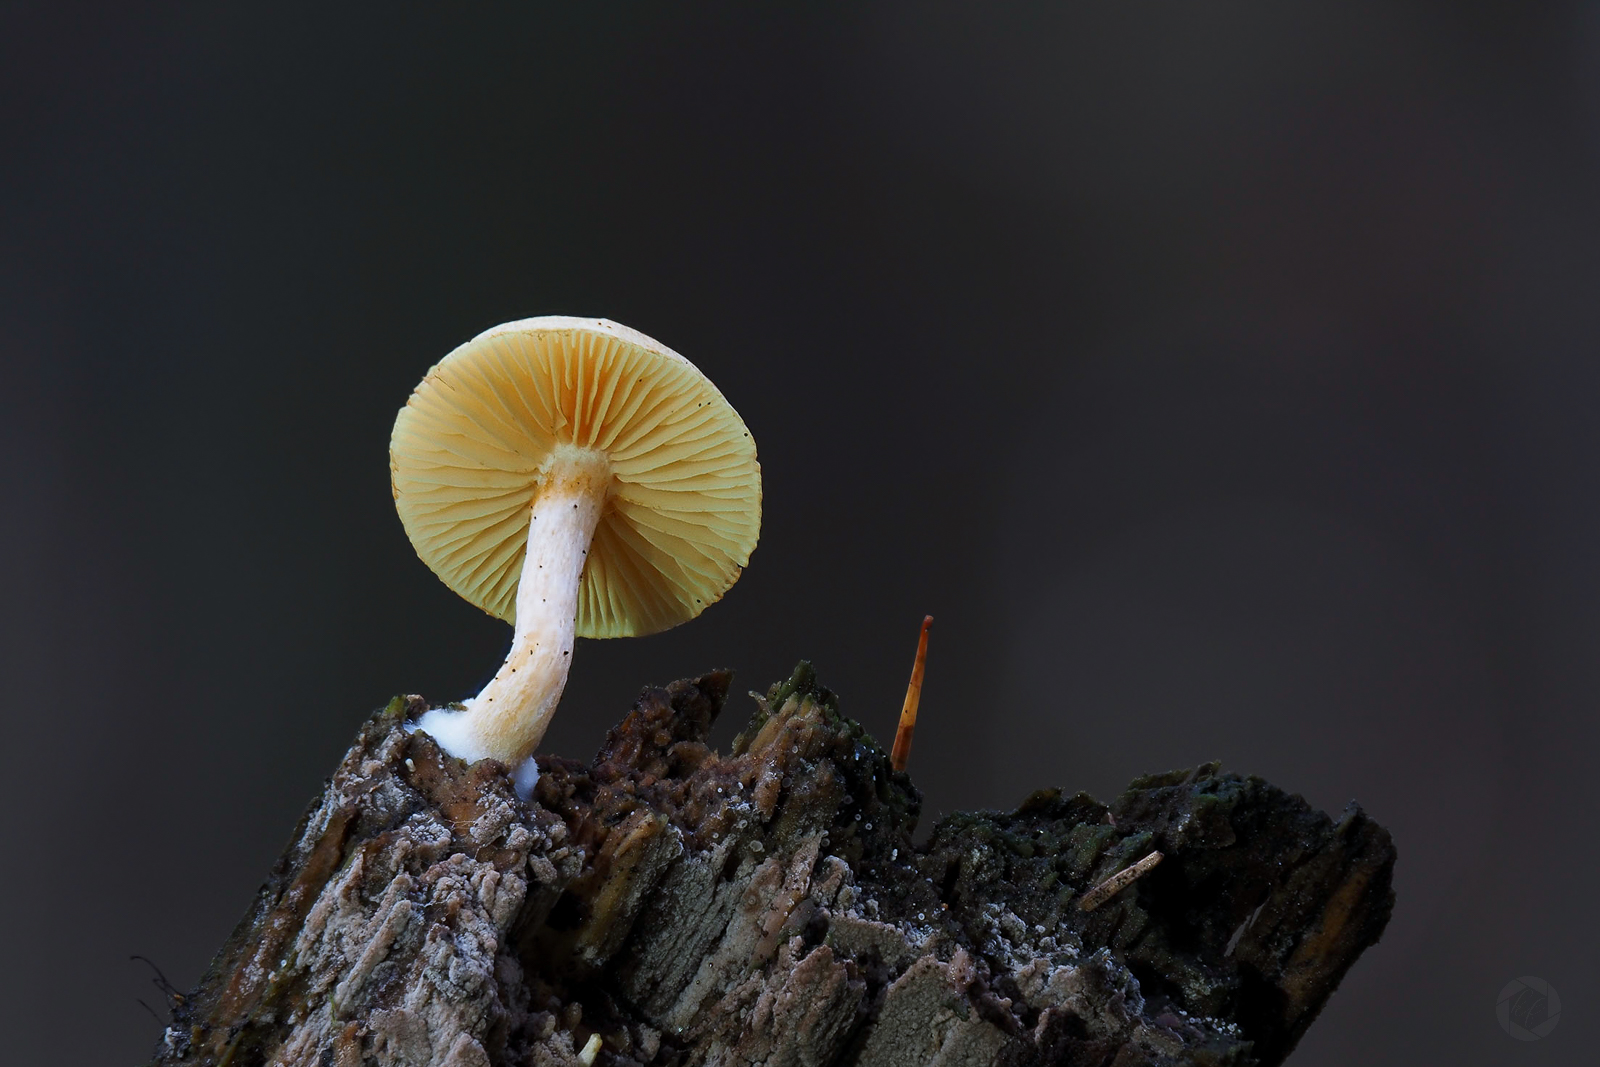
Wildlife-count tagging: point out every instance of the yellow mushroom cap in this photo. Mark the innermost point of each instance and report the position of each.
(470, 446)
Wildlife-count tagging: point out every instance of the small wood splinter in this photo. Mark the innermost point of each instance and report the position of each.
(900, 754)
(1118, 882)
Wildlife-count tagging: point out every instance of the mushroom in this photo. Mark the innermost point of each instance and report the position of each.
(575, 478)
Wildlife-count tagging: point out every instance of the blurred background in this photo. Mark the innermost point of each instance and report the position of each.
(1221, 377)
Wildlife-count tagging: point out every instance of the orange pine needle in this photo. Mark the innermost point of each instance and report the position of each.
(900, 755)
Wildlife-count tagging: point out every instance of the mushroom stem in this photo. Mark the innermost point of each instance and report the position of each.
(507, 720)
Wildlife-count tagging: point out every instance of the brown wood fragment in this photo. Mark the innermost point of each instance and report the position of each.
(900, 753)
(1118, 882)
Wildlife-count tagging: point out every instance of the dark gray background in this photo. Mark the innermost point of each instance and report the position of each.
(1222, 378)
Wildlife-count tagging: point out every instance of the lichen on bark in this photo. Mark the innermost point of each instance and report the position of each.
(770, 906)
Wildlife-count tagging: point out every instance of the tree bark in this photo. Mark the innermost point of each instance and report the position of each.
(667, 905)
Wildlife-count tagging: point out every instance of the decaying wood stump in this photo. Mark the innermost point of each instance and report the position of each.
(669, 905)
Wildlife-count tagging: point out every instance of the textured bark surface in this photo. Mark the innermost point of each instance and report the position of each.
(769, 907)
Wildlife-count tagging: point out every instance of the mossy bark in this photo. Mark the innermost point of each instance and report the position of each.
(769, 906)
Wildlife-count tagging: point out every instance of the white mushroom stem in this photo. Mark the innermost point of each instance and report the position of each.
(508, 718)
